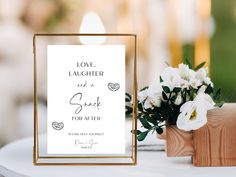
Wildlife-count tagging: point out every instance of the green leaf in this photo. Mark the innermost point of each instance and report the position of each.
(220, 104)
(128, 110)
(159, 130)
(166, 89)
(161, 80)
(192, 93)
(217, 95)
(164, 96)
(209, 89)
(127, 97)
(177, 89)
(137, 131)
(144, 88)
(140, 107)
(142, 136)
(173, 98)
(186, 61)
(145, 123)
(158, 117)
(199, 66)
(151, 119)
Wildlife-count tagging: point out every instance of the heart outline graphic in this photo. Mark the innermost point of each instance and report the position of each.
(113, 86)
(57, 125)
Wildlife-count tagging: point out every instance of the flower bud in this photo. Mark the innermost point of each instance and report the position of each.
(178, 100)
(202, 89)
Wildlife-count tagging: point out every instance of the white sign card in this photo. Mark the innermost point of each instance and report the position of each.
(86, 99)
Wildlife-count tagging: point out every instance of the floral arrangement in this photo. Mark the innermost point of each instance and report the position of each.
(182, 96)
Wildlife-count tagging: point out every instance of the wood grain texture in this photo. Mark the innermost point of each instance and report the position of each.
(179, 143)
(215, 143)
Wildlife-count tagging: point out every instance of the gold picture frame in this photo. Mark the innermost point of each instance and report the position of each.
(77, 159)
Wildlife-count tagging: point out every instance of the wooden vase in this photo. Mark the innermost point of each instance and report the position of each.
(212, 145)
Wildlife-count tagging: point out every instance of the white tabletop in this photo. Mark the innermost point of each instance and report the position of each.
(16, 161)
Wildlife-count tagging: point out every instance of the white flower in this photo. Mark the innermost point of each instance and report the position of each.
(152, 97)
(195, 83)
(148, 103)
(154, 101)
(157, 101)
(202, 89)
(185, 72)
(183, 83)
(155, 94)
(192, 117)
(171, 78)
(205, 100)
(201, 74)
(208, 81)
(142, 95)
(178, 100)
(193, 114)
(154, 88)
